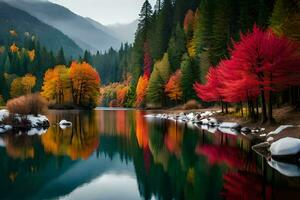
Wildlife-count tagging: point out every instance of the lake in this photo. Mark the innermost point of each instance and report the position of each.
(120, 154)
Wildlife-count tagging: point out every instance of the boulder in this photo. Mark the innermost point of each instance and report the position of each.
(63, 124)
(3, 114)
(285, 146)
(230, 125)
(280, 129)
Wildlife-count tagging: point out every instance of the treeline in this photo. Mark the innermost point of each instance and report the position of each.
(23, 64)
(177, 42)
(235, 53)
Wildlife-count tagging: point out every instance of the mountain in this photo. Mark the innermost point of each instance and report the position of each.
(86, 35)
(124, 32)
(24, 24)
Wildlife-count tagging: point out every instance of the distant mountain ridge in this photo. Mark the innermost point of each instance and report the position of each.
(12, 18)
(124, 32)
(78, 28)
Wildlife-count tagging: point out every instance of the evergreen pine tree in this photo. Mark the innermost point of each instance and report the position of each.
(158, 79)
(176, 48)
(190, 74)
(60, 59)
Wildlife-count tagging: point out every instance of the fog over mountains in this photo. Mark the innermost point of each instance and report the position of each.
(85, 32)
(12, 18)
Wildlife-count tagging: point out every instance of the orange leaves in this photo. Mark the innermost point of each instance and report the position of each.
(115, 94)
(141, 90)
(14, 48)
(142, 134)
(121, 94)
(85, 83)
(56, 83)
(31, 55)
(81, 81)
(173, 86)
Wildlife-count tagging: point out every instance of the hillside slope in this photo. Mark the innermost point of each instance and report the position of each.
(15, 19)
(76, 27)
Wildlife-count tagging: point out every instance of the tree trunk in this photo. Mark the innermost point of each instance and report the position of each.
(270, 109)
(264, 107)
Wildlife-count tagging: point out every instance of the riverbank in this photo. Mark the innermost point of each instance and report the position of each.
(284, 115)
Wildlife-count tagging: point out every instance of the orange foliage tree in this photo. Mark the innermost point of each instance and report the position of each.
(141, 90)
(173, 87)
(78, 84)
(14, 48)
(121, 95)
(85, 84)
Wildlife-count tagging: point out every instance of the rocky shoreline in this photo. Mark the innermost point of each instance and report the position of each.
(280, 147)
(31, 124)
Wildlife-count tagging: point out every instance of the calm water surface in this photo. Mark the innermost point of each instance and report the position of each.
(119, 154)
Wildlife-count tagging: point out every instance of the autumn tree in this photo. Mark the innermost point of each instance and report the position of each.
(147, 61)
(141, 90)
(28, 82)
(16, 88)
(57, 84)
(173, 86)
(22, 85)
(85, 84)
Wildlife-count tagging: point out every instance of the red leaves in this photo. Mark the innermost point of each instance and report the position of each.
(147, 61)
(210, 91)
(261, 61)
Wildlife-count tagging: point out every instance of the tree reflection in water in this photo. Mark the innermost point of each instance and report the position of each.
(170, 161)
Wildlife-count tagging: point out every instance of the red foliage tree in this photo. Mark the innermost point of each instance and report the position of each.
(147, 60)
(261, 63)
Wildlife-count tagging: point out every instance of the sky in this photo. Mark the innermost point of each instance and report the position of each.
(105, 11)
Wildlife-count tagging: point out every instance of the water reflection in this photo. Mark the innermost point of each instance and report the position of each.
(122, 155)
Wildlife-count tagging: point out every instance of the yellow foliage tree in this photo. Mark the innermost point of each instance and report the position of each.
(57, 83)
(28, 82)
(16, 88)
(22, 85)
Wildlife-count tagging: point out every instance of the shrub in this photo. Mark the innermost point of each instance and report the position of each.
(29, 104)
(191, 104)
